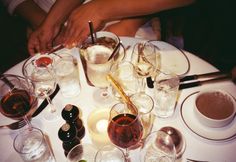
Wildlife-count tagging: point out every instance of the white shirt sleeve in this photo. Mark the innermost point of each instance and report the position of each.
(11, 5)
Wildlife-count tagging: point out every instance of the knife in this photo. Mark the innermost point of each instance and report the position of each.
(45, 102)
(197, 76)
(199, 83)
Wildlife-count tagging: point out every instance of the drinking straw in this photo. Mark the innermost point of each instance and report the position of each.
(114, 51)
(124, 97)
(91, 31)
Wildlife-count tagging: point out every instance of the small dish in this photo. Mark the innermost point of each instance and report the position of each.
(220, 134)
(214, 108)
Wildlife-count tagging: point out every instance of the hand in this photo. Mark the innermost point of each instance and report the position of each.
(77, 29)
(41, 40)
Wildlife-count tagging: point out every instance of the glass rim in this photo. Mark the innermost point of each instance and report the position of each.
(20, 79)
(113, 147)
(111, 119)
(151, 99)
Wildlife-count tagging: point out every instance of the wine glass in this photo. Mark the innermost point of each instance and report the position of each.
(145, 105)
(83, 152)
(110, 153)
(125, 75)
(17, 98)
(146, 60)
(125, 128)
(97, 59)
(39, 70)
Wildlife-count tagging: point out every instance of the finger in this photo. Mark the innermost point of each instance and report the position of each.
(78, 38)
(33, 47)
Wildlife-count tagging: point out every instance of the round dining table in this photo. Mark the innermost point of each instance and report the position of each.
(202, 143)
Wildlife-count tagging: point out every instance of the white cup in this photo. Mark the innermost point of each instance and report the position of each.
(214, 108)
(67, 74)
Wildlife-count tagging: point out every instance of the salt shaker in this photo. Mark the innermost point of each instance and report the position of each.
(68, 135)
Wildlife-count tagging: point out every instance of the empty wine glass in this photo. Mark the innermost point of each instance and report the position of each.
(125, 128)
(17, 98)
(83, 152)
(109, 153)
(146, 60)
(39, 70)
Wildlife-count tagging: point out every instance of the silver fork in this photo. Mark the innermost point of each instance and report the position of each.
(15, 125)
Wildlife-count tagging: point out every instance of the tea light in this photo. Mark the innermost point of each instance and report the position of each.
(97, 126)
(102, 125)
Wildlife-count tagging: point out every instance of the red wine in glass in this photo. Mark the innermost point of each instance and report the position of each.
(17, 100)
(16, 104)
(125, 130)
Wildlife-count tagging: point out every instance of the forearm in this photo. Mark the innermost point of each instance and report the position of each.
(136, 7)
(31, 12)
(60, 11)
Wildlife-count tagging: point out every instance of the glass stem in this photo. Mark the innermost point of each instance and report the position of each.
(52, 107)
(127, 158)
(28, 122)
(142, 85)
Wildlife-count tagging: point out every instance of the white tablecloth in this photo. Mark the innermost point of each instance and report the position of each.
(196, 147)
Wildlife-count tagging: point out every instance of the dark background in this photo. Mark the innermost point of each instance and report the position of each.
(208, 28)
(13, 47)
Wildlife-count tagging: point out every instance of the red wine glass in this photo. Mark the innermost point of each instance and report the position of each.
(17, 98)
(125, 128)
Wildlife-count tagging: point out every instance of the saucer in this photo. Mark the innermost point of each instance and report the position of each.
(216, 134)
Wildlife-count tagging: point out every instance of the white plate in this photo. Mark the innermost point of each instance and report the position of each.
(172, 59)
(216, 134)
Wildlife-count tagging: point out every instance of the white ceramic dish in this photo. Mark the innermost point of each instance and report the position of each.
(214, 108)
(216, 134)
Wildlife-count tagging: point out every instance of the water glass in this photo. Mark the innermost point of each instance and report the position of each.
(67, 74)
(32, 146)
(110, 153)
(166, 90)
(158, 147)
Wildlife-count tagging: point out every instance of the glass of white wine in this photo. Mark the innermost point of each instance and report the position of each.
(146, 60)
(39, 70)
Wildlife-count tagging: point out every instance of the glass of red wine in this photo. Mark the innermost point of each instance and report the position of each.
(125, 128)
(17, 98)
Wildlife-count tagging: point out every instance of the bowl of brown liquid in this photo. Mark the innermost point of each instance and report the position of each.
(214, 108)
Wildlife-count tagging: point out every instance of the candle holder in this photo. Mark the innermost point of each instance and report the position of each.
(97, 126)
